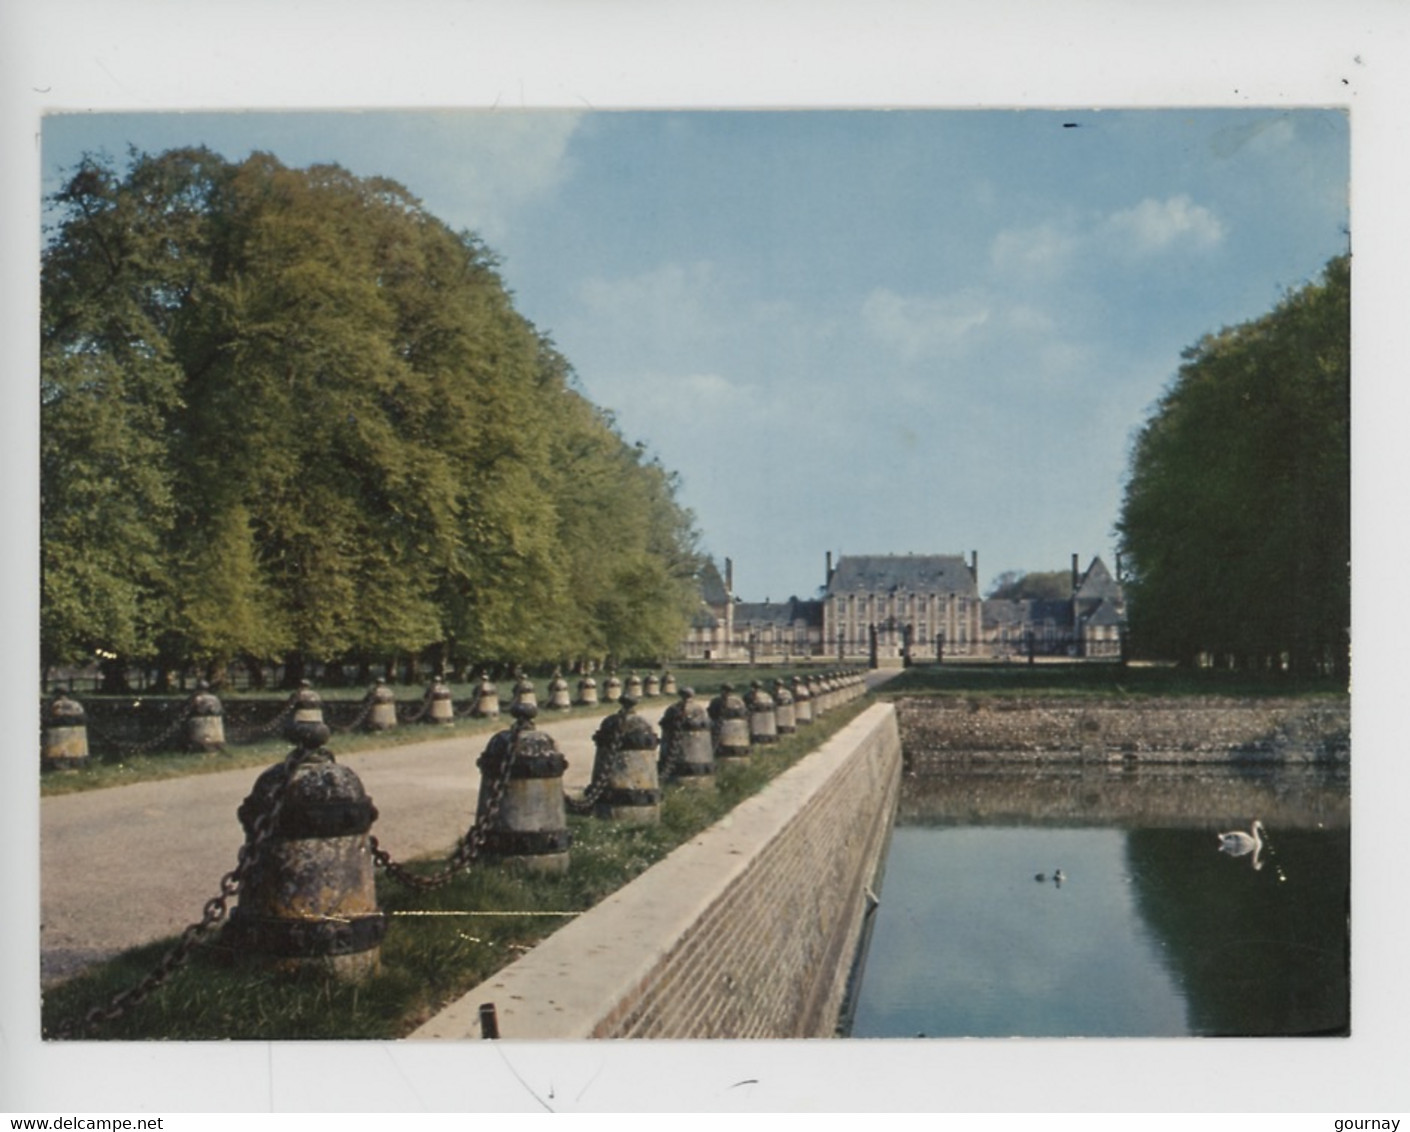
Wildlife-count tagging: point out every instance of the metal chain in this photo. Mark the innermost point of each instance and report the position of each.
(268, 728)
(363, 713)
(187, 709)
(469, 846)
(420, 714)
(603, 769)
(214, 911)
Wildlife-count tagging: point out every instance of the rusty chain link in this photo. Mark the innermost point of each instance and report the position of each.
(141, 748)
(468, 848)
(602, 771)
(212, 913)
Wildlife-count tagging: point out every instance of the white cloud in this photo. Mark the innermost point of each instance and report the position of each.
(1158, 225)
(1043, 250)
(923, 325)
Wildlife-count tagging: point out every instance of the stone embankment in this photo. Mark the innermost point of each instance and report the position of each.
(939, 729)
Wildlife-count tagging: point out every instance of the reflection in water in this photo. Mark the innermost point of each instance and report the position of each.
(1154, 928)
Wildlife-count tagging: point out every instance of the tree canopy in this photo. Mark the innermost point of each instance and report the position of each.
(1236, 521)
(288, 414)
(1041, 585)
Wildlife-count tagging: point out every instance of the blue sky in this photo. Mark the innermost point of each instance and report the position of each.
(858, 331)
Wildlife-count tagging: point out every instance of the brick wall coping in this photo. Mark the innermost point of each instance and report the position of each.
(570, 984)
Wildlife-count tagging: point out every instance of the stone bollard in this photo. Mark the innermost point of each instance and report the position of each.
(612, 689)
(687, 750)
(441, 708)
(651, 685)
(587, 691)
(382, 710)
(486, 699)
(558, 697)
(763, 716)
(524, 691)
(308, 704)
(668, 684)
(65, 735)
(633, 687)
(624, 772)
(729, 727)
(205, 727)
(527, 823)
(802, 702)
(783, 709)
(308, 901)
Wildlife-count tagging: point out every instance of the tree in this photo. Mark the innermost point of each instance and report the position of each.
(1235, 524)
(1015, 585)
(288, 412)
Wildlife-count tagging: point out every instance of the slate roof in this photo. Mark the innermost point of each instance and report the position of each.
(903, 573)
(782, 613)
(1002, 611)
(1104, 614)
(712, 586)
(1097, 584)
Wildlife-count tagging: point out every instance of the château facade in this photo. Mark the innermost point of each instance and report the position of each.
(893, 609)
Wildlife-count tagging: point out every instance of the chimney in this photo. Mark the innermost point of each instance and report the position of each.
(1118, 567)
(1074, 573)
(974, 566)
(729, 575)
(827, 581)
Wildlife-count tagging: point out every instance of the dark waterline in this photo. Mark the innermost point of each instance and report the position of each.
(1151, 932)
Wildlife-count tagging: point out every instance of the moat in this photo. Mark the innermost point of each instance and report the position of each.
(1150, 930)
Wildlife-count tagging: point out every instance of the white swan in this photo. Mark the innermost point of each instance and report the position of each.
(1240, 844)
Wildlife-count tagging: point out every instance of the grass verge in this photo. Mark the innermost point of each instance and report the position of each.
(1095, 679)
(477, 924)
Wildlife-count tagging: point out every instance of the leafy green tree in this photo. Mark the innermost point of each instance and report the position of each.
(288, 413)
(1236, 519)
(1041, 585)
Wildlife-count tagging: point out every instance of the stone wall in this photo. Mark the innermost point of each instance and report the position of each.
(748, 931)
(1190, 729)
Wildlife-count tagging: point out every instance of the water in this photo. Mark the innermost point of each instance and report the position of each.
(1152, 932)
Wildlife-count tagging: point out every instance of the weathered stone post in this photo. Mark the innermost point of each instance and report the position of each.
(486, 699)
(441, 708)
(382, 712)
(651, 685)
(521, 806)
(668, 683)
(308, 704)
(729, 719)
(802, 702)
(633, 687)
(612, 688)
(624, 771)
(558, 692)
(205, 728)
(587, 691)
(524, 691)
(687, 750)
(308, 900)
(783, 709)
(65, 734)
(763, 717)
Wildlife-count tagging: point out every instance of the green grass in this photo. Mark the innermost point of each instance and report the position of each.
(115, 768)
(427, 961)
(1089, 679)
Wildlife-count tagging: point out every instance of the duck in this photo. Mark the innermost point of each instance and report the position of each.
(1240, 844)
(1059, 877)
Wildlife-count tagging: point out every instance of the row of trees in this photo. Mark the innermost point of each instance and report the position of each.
(289, 415)
(1236, 522)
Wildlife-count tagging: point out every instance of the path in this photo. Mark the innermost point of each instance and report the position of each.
(132, 864)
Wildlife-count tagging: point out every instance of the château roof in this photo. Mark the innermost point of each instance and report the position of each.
(784, 613)
(1097, 583)
(903, 573)
(712, 586)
